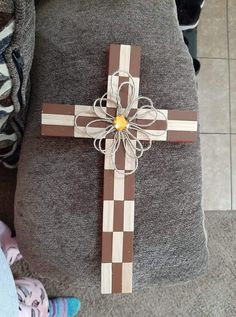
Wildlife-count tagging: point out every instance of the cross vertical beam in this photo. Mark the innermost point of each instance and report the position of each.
(119, 189)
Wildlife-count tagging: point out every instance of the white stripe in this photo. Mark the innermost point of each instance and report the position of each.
(119, 186)
(153, 136)
(129, 161)
(84, 110)
(80, 132)
(106, 278)
(4, 70)
(58, 119)
(108, 164)
(125, 52)
(136, 85)
(11, 137)
(6, 87)
(108, 215)
(150, 115)
(128, 216)
(112, 87)
(87, 111)
(178, 125)
(127, 269)
(8, 109)
(7, 30)
(117, 247)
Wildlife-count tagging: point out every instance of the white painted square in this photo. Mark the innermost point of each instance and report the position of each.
(130, 161)
(182, 125)
(117, 247)
(127, 272)
(88, 111)
(160, 135)
(112, 86)
(119, 186)
(80, 132)
(109, 162)
(134, 94)
(108, 215)
(128, 216)
(58, 119)
(125, 52)
(106, 278)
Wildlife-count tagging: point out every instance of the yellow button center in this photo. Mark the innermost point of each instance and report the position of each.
(120, 122)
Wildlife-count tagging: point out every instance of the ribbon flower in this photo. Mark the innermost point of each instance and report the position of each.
(124, 123)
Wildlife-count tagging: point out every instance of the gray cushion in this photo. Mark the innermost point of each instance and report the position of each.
(58, 206)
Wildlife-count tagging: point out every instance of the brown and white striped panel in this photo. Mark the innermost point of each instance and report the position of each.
(119, 189)
(181, 125)
(59, 120)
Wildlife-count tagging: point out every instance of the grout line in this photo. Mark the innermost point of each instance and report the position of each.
(230, 126)
(218, 133)
(207, 57)
(214, 57)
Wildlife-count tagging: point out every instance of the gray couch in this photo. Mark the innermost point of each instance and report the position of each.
(58, 202)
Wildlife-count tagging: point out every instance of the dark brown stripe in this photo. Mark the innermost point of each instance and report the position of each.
(107, 247)
(83, 121)
(108, 191)
(57, 130)
(116, 277)
(111, 111)
(128, 247)
(114, 58)
(157, 125)
(118, 224)
(53, 108)
(124, 92)
(135, 58)
(120, 157)
(110, 136)
(182, 115)
(132, 112)
(129, 187)
(181, 136)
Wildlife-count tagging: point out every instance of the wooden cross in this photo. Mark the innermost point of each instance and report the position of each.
(119, 188)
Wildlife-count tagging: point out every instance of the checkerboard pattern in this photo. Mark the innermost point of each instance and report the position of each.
(119, 189)
(61, 120)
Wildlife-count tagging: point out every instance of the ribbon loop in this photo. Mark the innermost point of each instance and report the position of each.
(126, 134)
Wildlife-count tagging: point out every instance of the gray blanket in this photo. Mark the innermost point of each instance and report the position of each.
(58, 205)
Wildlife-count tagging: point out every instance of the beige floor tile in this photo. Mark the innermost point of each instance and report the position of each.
(233, 94)
(216, 171)
(212, 30)
(213, 83)
(234, 170)
(232, 27)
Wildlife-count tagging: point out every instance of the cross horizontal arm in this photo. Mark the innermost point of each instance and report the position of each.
(70, 121)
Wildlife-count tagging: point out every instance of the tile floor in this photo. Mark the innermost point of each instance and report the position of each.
(217, 98)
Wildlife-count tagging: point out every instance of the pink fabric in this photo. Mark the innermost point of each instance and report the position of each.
(33, 299)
